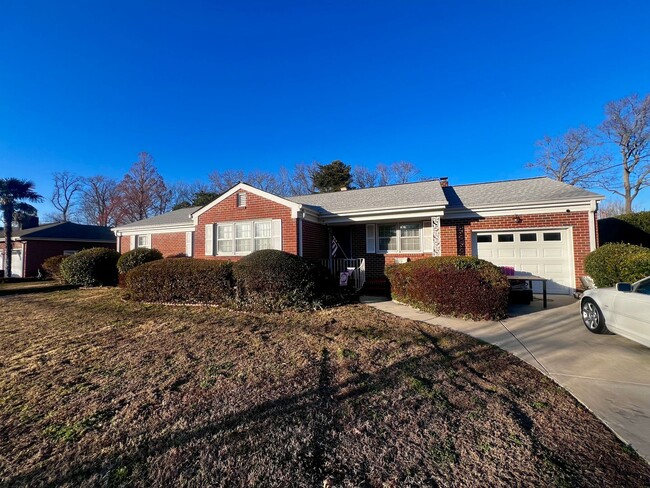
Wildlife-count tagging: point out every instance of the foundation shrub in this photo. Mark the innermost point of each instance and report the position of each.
(52, 267)
(136, 257)
(274, 280)
(91, 267)
(614, 263)
(457, 286)
(181, 280)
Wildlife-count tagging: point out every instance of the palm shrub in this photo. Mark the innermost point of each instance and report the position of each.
(461, 286)
(181, 280)
(614, 263)
(91, 267)
(276, 280)
(136, 257)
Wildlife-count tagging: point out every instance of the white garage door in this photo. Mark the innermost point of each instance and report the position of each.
(16, 263)
(544, 253)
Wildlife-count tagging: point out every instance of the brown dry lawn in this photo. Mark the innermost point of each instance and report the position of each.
(98, 391)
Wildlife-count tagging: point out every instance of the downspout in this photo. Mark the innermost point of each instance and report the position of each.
(593, 207)
(300, 217)
(24, 251)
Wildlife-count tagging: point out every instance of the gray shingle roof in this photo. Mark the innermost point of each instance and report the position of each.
(423, 193)
(512, 192)
(180, 216)
(65, 230)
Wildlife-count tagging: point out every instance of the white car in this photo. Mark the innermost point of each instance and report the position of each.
(623, 310)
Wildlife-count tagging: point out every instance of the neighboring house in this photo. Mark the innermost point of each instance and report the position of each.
(537, 225)
(33, 245)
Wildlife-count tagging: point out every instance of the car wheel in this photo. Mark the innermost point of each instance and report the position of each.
(593, 317)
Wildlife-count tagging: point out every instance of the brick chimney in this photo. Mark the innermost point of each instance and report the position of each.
(27, 221)
(444, 181)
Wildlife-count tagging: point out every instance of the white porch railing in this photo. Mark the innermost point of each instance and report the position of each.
(356, 266)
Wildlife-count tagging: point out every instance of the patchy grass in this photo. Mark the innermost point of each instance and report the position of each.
(98, 391)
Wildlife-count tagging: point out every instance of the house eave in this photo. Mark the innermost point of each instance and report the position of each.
(573, 205)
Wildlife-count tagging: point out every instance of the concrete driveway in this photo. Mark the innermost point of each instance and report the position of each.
(607, 373)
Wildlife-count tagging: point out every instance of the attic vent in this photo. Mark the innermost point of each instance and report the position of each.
(241, 199)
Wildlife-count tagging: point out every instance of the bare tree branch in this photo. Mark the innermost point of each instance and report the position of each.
(66, 185)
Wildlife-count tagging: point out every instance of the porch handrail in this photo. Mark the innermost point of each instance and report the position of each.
(357, 266)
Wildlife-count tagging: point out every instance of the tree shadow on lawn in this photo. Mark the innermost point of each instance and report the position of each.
(461, 411)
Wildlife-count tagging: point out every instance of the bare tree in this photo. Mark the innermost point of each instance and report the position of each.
(183, 193)
(627, 126)
(403, 172)
(301, 181)
(611, 209)
(143, 192)
(384, 175)
(223, 181)
(66, 186)
(572, 158)
(364, 177)
(100, 203)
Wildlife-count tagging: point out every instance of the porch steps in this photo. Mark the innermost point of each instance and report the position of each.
(376, 287)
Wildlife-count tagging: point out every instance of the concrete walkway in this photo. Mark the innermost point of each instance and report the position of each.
(607, 373)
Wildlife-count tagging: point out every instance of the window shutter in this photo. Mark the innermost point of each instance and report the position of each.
(188, 244)
(370, 238)
(131, 243)
(209, 240)
(276, 233)
(427, 236)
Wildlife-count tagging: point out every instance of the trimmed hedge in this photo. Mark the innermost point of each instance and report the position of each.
(91, 267)
(182, 280)
(276, 280)
(136, 257)
(459, 286)
(52, 266)
(614, 263)
(640, 220)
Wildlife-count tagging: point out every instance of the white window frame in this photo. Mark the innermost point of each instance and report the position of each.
(147, 241)
(398, 236)
(242, 197)
(272, 238)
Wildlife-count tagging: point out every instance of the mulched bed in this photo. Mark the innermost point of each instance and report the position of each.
(98, 391)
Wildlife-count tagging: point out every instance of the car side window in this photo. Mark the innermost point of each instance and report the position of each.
(643, 287)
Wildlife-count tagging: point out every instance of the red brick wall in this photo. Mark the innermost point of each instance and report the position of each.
(314, 240)
(125, 244)
(256, 208)
(39, 251)
(170, 243)
(457, 234)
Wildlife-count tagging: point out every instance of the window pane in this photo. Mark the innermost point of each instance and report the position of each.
(528, 237)
(410, 244)
(484, 238)
(263, 229)
(387, 231)
(243, 245)
(224, 246)
(506, 238)
(552, 236)
(243, 230)
(224, 232)
(410, 230)
(263, 243)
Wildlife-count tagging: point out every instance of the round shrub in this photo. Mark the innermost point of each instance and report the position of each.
(181, 280)
(136, 257)
(277, 280)
(461, 286)
(614, 263)
(91, 267)
(52, 266)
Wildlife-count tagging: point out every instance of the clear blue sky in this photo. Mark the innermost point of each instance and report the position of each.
(461, 89)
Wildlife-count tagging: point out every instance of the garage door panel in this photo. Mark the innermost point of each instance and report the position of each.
(506, 253)
(553, 253)
(529, 253)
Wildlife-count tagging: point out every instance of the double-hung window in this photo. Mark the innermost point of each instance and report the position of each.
(244, 237)
(399, 238)
(142, 241)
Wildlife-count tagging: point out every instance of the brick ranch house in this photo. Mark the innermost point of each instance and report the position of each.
(537, 225)
(33, 244)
